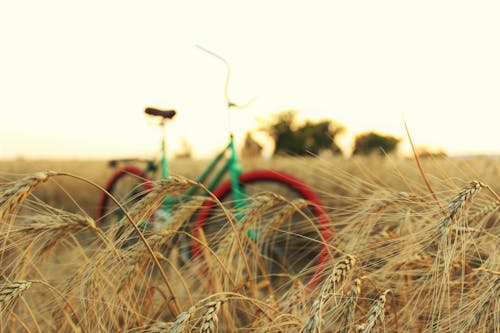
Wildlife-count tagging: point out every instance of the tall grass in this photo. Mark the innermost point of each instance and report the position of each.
(400, 261)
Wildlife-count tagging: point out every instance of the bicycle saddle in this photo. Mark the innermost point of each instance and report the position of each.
(167, 114)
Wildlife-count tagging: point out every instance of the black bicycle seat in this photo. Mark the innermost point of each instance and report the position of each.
(167, 114)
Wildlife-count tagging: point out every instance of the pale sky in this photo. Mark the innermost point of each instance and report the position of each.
(75, 76)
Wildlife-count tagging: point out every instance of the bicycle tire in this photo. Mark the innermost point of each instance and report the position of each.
(300, 189)
(138, 184)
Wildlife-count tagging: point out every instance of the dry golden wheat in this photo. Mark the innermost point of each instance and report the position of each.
(458, 204)
(376, 317)
(56, 223)
(138, 259)
(9, 292)
(313, 323)
(159, 327)
(154, 198)
(11, 198)
(210, 320)
(350, 306)
(338, 275)
(180, 325)
(286, 212)
(441, 284)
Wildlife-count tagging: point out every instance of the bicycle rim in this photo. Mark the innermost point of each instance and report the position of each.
(291, 234)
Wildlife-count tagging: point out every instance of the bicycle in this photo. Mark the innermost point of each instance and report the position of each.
(285, 248)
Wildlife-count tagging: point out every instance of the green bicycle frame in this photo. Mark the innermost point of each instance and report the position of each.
(231, 165)
(163, 161)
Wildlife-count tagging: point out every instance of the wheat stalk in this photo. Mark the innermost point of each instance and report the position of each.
(285, 213)
(489, 209)
(259, 204)
(136, 262)
(134, 267)
(380, 204)
(295, 297)
(482, 314)
(174, 301)
(138, 258)
(485, 270)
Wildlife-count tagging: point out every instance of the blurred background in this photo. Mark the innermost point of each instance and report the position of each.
(76, 76)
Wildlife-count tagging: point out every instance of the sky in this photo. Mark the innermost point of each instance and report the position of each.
(75, 76)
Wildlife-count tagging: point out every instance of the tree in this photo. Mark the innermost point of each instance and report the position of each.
(311, 137)
(428, 152)
(371, 142)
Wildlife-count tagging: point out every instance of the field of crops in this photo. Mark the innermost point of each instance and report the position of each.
(404, 255)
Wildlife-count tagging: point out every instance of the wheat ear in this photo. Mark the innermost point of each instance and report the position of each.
(458, 203)
(180, 324)
(11, 291)
(11, 198)
(259, 204)
(169, 186)
(67, 222)
(337, 277)
(210, 320)
(313, 324)
(375, 315)
(339, 274)
(350, 306)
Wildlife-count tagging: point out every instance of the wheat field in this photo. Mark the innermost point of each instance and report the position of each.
(404, 256)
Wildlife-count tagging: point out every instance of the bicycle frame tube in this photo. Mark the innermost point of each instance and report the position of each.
(164, 161)
(203, 177)
(210, 168)
(235, 171)
(231, 165)
(167, 202)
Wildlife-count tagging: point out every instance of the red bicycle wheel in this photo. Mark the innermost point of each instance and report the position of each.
(302, 247)
(128, 184)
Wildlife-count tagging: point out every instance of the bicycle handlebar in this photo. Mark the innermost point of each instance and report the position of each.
(230, 103)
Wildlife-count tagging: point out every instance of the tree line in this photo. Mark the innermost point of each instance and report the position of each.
(313, 137)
